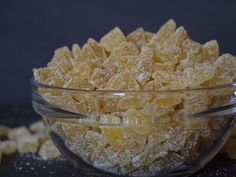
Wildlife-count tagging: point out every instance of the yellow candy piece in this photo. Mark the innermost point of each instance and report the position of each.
(114, 39)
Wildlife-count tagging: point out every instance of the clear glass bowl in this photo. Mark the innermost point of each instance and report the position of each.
(137, 133)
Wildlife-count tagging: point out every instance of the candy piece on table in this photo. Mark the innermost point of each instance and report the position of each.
(115, 38)
(16, 133)
(3, 131)
(122, 81)
(7, 147)
(27, 144)
(42, 137)
(48, 150)
(37, 127)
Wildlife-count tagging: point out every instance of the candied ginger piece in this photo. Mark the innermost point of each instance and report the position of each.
(168, 99)
(114, 136)
(18, 132)
(100, 160)
(97, 49)
(165, 31)
(44, 75)
(201, 73)
(137, 37)
(109, 119)
(27, 144)
(149, 155)
(218, 80)
(3, 131)
(86, 105)
(127, 48)
(78, 83)
(153, 85)
(211, 51)
(117, 157)
(170, 50)
(115, 38)
(122, 81)
(37, 127)
(62, 58)
(133, 101)
(99, 77)
(163, 76)
(149, 36)
(7, 147)
(156, 111)
(77, 55)
(48, 150)
(226, 65)
(110, 106)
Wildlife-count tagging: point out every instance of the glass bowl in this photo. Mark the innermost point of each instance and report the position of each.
(137, 133)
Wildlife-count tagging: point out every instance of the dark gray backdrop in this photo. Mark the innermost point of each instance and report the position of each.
(30, 30)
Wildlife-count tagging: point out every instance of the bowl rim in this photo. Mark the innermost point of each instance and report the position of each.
(221, 86)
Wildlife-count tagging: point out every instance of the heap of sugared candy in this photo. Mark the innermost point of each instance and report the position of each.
(137, 133)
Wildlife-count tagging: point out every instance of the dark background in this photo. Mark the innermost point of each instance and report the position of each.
(30, 30)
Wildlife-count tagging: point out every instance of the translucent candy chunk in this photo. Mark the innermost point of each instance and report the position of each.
(27, 144)
(48, 150)
(165, 31)
(7, 147)
(127, 48)
(97, 49)
(109, 119)
(110, 106)
(156, 111)
(3, 131)
(133, 101)
(122, 81)
(18, 132)
(170, 50)
(78, 83)
(150, 154)
(86, 104)
(100, 160)
(226, 65)
(163, 76)
(211, 51)
(81, 70)
(77, 55)
(199, 74)
(99, 77)
(37, 127)
(168, 99)
(217, 80)
(137, 37)
(153, 85)
(62, 58)
(115, 38)
(114, 136)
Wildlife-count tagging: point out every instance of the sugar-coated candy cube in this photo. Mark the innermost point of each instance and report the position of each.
(115, 38)
(27, 144)
(17, 133)
(7, 147)
(48, 150)
(37, 127)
